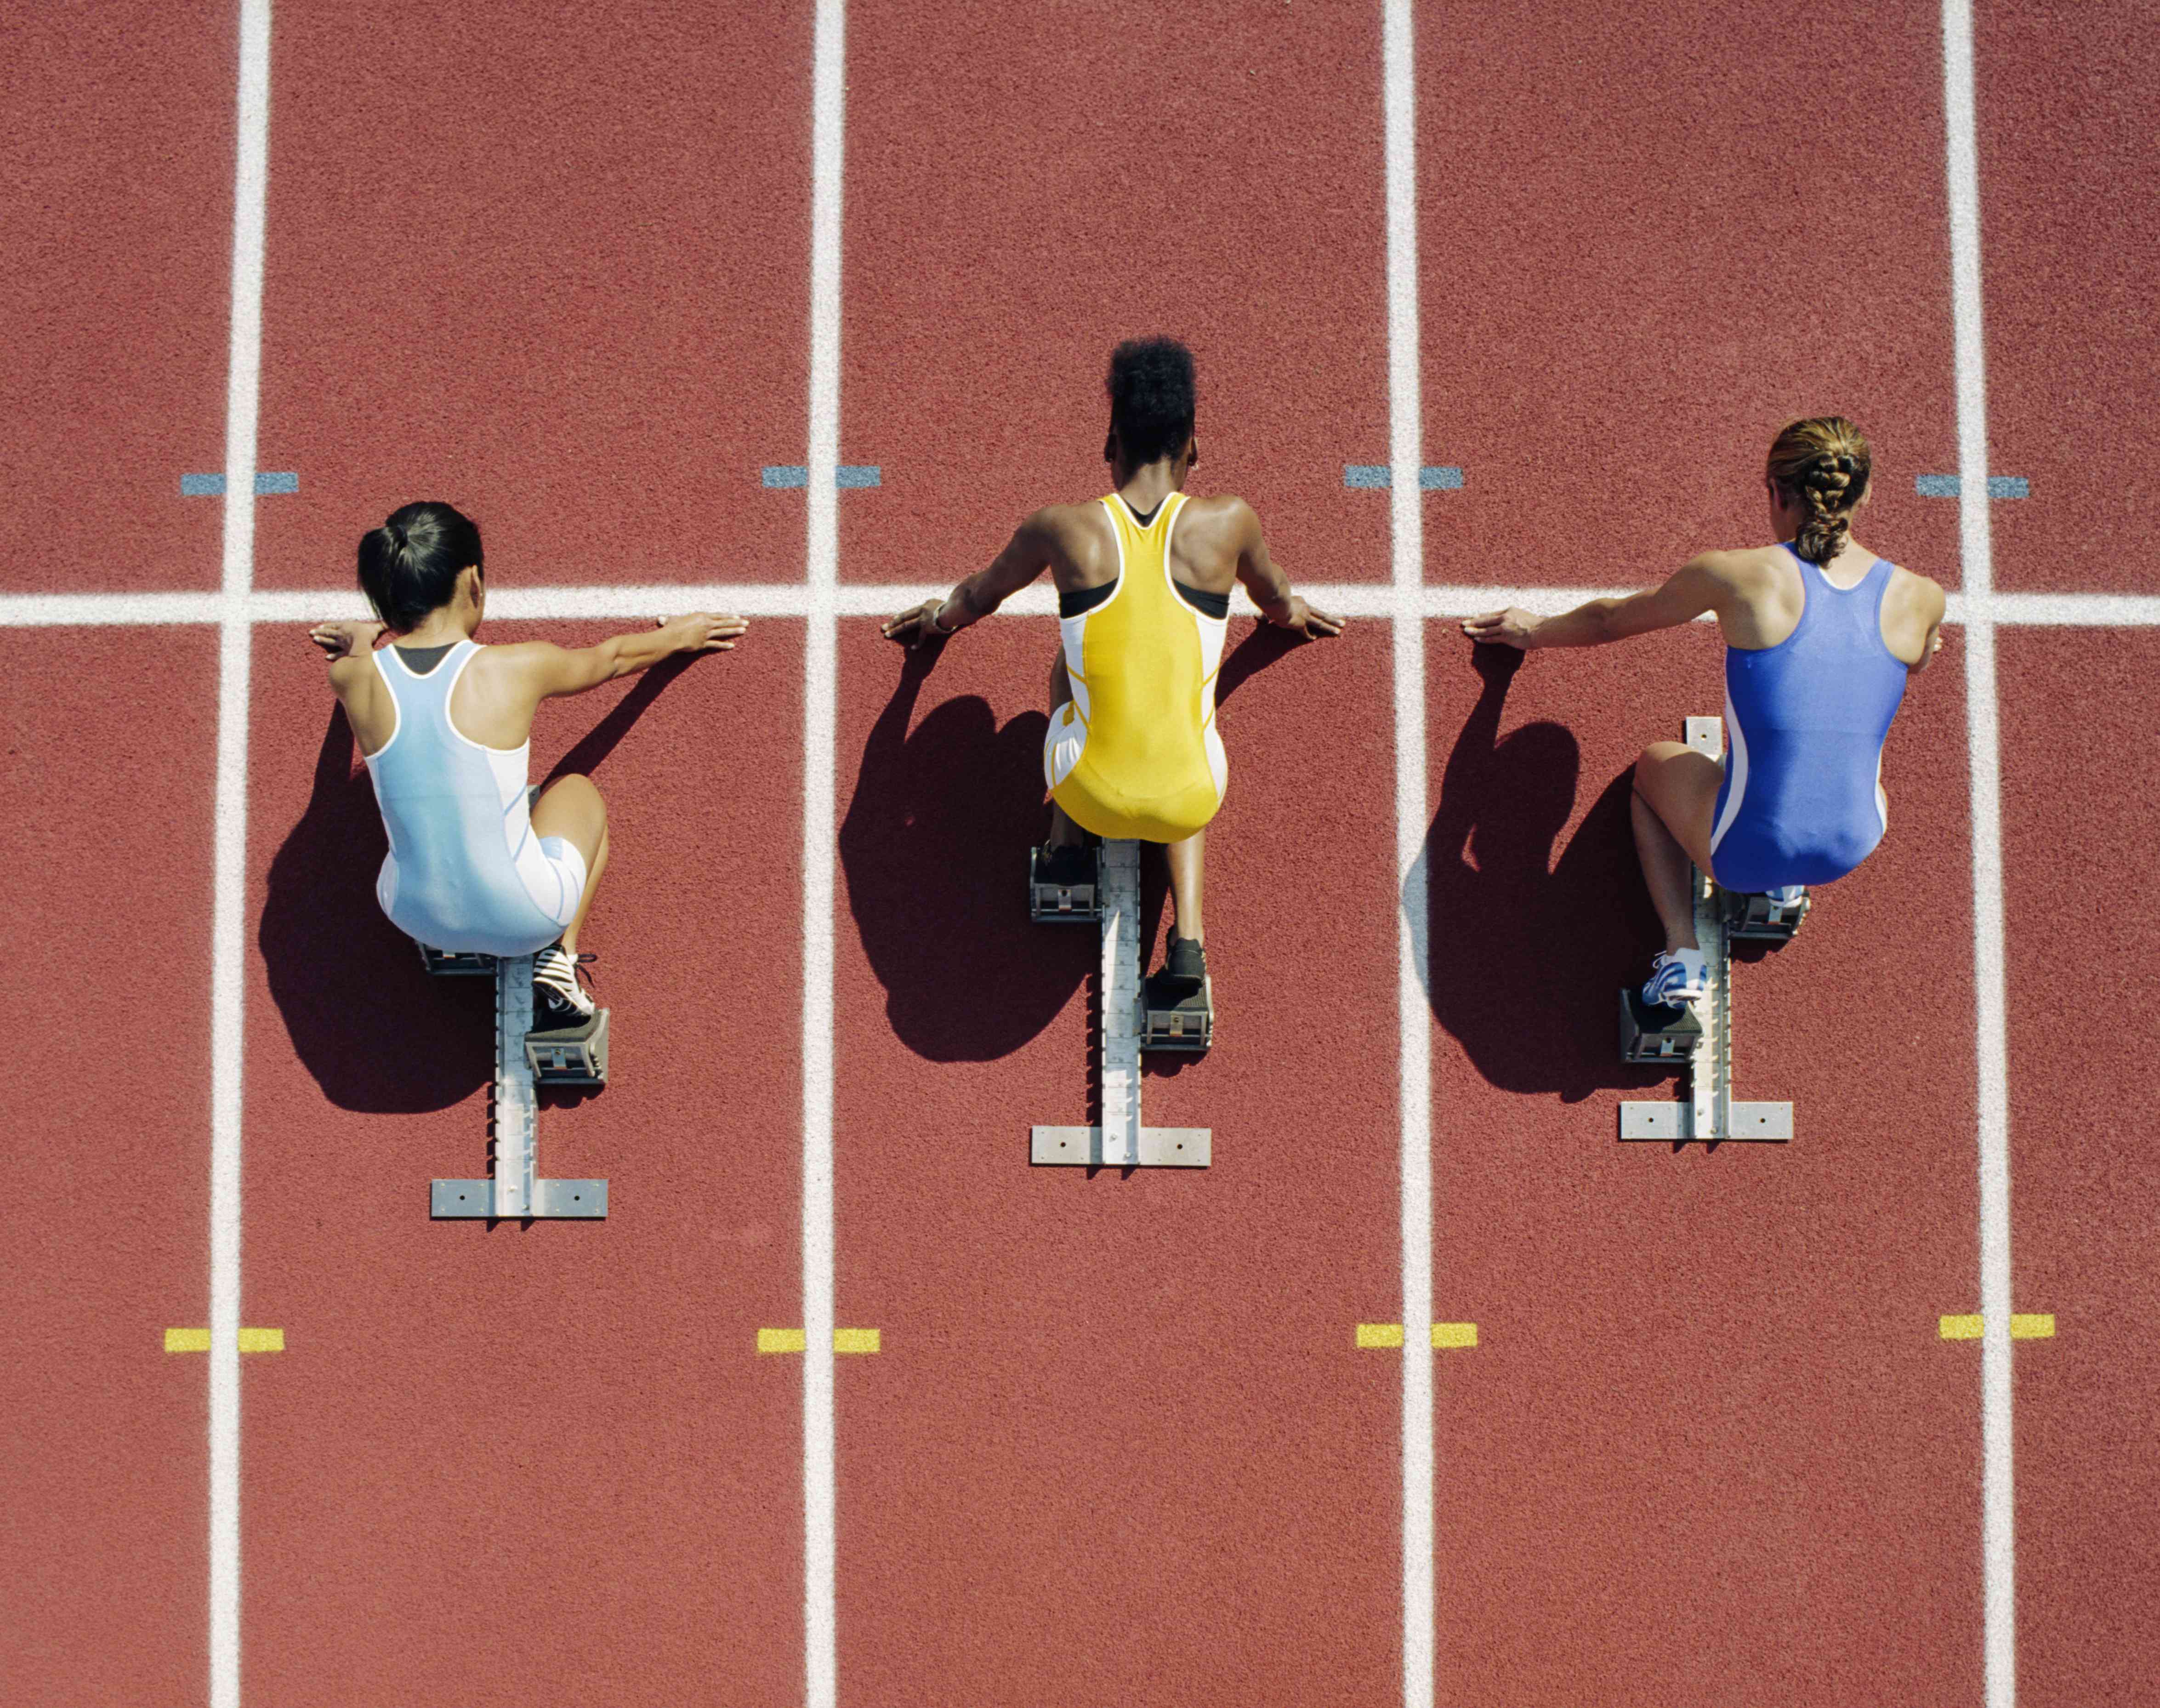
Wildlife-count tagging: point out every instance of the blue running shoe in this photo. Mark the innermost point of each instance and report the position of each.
(1677, 977)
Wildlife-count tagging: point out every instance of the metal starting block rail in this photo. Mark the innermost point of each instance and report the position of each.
(517, 1192)
(1121, 1141)
(1710, 1113)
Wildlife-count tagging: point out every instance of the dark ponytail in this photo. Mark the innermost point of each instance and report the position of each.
(409, 566)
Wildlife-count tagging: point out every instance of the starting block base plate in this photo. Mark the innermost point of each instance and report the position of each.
(1751, 1123)
(555, 1200)
(1082, 1147)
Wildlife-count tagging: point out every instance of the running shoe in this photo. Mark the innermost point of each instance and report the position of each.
(1073, 864)
(1677, 976)
(1184, 958)
(560, 1001)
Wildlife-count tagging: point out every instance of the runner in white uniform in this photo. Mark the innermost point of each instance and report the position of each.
(465, 870)
(478, 862)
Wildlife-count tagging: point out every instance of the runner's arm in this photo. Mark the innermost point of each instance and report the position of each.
(348, 644)
(1026, 555)
(1935, 603)
(1265, 582)
(552, 671)
(1698, 585)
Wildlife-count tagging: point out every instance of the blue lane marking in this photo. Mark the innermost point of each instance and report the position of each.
(213, 486)
(1949, 486)
(1430, 478)
(846, 475)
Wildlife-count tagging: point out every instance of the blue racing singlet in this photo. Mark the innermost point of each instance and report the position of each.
(1802, 801)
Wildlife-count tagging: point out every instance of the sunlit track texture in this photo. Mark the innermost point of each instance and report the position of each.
(795, 311)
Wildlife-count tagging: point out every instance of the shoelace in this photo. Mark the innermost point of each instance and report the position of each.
(557, 969)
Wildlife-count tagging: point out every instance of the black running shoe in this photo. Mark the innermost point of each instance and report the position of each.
(1184, 959)
(560, 1001)
(1073, 864)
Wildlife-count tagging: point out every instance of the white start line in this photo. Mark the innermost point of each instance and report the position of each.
(1405, 600)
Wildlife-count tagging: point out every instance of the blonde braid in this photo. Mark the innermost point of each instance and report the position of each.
(1822, 462)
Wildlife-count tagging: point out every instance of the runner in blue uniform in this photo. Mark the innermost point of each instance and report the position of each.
(1820, 637)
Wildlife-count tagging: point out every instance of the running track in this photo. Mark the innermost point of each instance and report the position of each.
(589, 276)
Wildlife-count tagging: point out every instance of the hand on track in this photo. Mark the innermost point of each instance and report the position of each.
(705, 631)
(343, 638)
(1511, 627)
(912, 628)
(1313, 624)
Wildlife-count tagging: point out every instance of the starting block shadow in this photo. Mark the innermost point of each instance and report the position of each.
(1700, 1043)
(517, 1191)
(1118, 1138)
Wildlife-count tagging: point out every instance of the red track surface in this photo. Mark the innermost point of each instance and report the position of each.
(115, 191)
(453, 193)
(2080, 826)
(2069, 140)
(572, 1415)
(1652, 235)
(108, 1186)
(1110, 170)
(1119, 1446)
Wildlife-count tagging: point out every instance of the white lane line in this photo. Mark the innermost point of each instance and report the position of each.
(820, 769)
(603, 603)
(1998, 1511)
(229, 880)
(1399, 95)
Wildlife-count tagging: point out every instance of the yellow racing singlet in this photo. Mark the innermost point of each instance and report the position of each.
(1134, 754)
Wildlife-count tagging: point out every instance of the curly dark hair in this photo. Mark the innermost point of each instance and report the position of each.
(1153, 395)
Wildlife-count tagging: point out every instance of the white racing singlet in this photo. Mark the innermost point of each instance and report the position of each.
(465, 870)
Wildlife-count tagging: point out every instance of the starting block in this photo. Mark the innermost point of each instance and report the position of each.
(455, 964)
(1062, 903)
(1121, 1141)
(1763, 918)
(517, 1192)
(574, 1055)
(1178, 1014)
(1701, 1045)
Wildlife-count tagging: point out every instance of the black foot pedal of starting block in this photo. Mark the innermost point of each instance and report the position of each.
(1178, 1014)
(1651, 1032)
(574, 1055)
(1763, 918)
(1064, 886)
(455, 964)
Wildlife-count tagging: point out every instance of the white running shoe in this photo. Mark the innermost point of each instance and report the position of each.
(559, 1000)
(1677, 976)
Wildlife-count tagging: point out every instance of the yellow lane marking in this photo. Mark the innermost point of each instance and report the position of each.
(2036, 1326)
(252, 1340)
(794, 1340)
(1445, 1335)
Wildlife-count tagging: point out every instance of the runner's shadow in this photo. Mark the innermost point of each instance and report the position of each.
(1525, 953)
(1261, 647)
(602, 739)
(376, 1031)
(934, 852)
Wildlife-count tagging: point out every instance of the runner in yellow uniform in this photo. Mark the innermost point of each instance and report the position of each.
(1143, 579)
